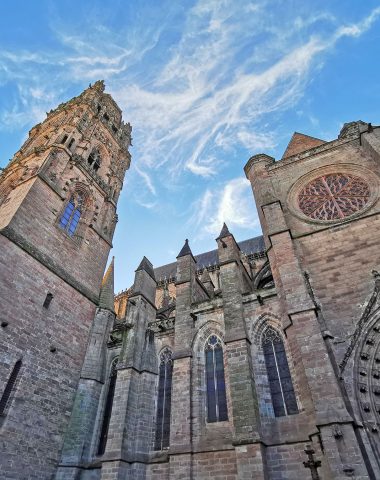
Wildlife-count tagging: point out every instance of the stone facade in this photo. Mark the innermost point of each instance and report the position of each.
(258, 360)
(51, 276)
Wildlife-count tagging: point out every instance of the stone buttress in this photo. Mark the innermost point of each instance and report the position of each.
(130, 436)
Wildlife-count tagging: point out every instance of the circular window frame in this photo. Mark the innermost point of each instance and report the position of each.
(344, 168)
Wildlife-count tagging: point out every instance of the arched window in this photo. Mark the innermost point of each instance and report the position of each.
(280, 382)
(94, 160)
(108, 408)
(164, 400)
(215, 383)
(71, 216)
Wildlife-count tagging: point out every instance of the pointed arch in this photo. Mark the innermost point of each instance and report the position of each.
(366, 371)
(280, 381)
(75, 209)
(162, 435)
(268, 373)
(264, 278)
(215, 380)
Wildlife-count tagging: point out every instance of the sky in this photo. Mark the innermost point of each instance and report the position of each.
(205, 85)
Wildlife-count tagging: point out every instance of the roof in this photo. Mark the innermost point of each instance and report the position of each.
(300, 142)
(252, 245)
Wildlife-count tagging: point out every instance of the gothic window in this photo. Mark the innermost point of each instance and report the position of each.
(215, 383)
(71, 143)
(108, 409)
(9, 387)
(164, 400)
(71, 216)
(280, 382)
(94, 160)
(64, 139)
(334, 196)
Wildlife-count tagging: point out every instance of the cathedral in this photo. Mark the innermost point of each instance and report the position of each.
(258, 360)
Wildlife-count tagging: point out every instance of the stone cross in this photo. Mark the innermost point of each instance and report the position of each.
(312, 463)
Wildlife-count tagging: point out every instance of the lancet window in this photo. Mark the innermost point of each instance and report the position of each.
(71, 216)
(215, 381)
(280, 382)
(108, 408)
(164, 400)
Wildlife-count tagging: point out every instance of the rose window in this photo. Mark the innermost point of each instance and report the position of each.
(334, 196)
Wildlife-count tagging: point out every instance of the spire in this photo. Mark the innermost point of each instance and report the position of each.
(186, 250)
(147, 266)
(224, 232)
(106, 297)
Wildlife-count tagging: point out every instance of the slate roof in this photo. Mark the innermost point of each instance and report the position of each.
(252, 245)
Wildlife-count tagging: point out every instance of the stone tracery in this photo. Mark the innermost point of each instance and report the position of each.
(334, 196)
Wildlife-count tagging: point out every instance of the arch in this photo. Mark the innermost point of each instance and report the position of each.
(258, 325)
(108, 407)
(76, 207)
(280, 381)
(267, 320)
(215, 380)
(162, 434)
(366, 377)
(264, 278)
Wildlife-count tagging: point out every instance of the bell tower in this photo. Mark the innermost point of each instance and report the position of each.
(58, 198)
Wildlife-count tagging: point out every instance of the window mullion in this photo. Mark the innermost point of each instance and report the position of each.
(215, 384)
(279, 378)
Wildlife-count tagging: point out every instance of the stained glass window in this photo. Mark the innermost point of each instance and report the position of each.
(164, 400)
(108, 409)
(71, 216)
(9, 387)
(215, 382)
(280, 382)
(333, 196)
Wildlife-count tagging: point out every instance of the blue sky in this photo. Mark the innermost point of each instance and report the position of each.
(205, 85)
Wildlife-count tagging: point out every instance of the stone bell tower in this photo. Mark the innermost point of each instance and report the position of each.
(58, 199)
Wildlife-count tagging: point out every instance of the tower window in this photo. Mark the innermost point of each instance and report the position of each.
(215, 382)
(280, 382)
(164, 400)
(71, 143)
(94, 160)
(9, 387)
(48, 299)
(64, 139)
(71, 216)
(108, 409)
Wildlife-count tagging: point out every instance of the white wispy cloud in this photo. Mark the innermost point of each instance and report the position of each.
(195, 93)
(232, 203)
